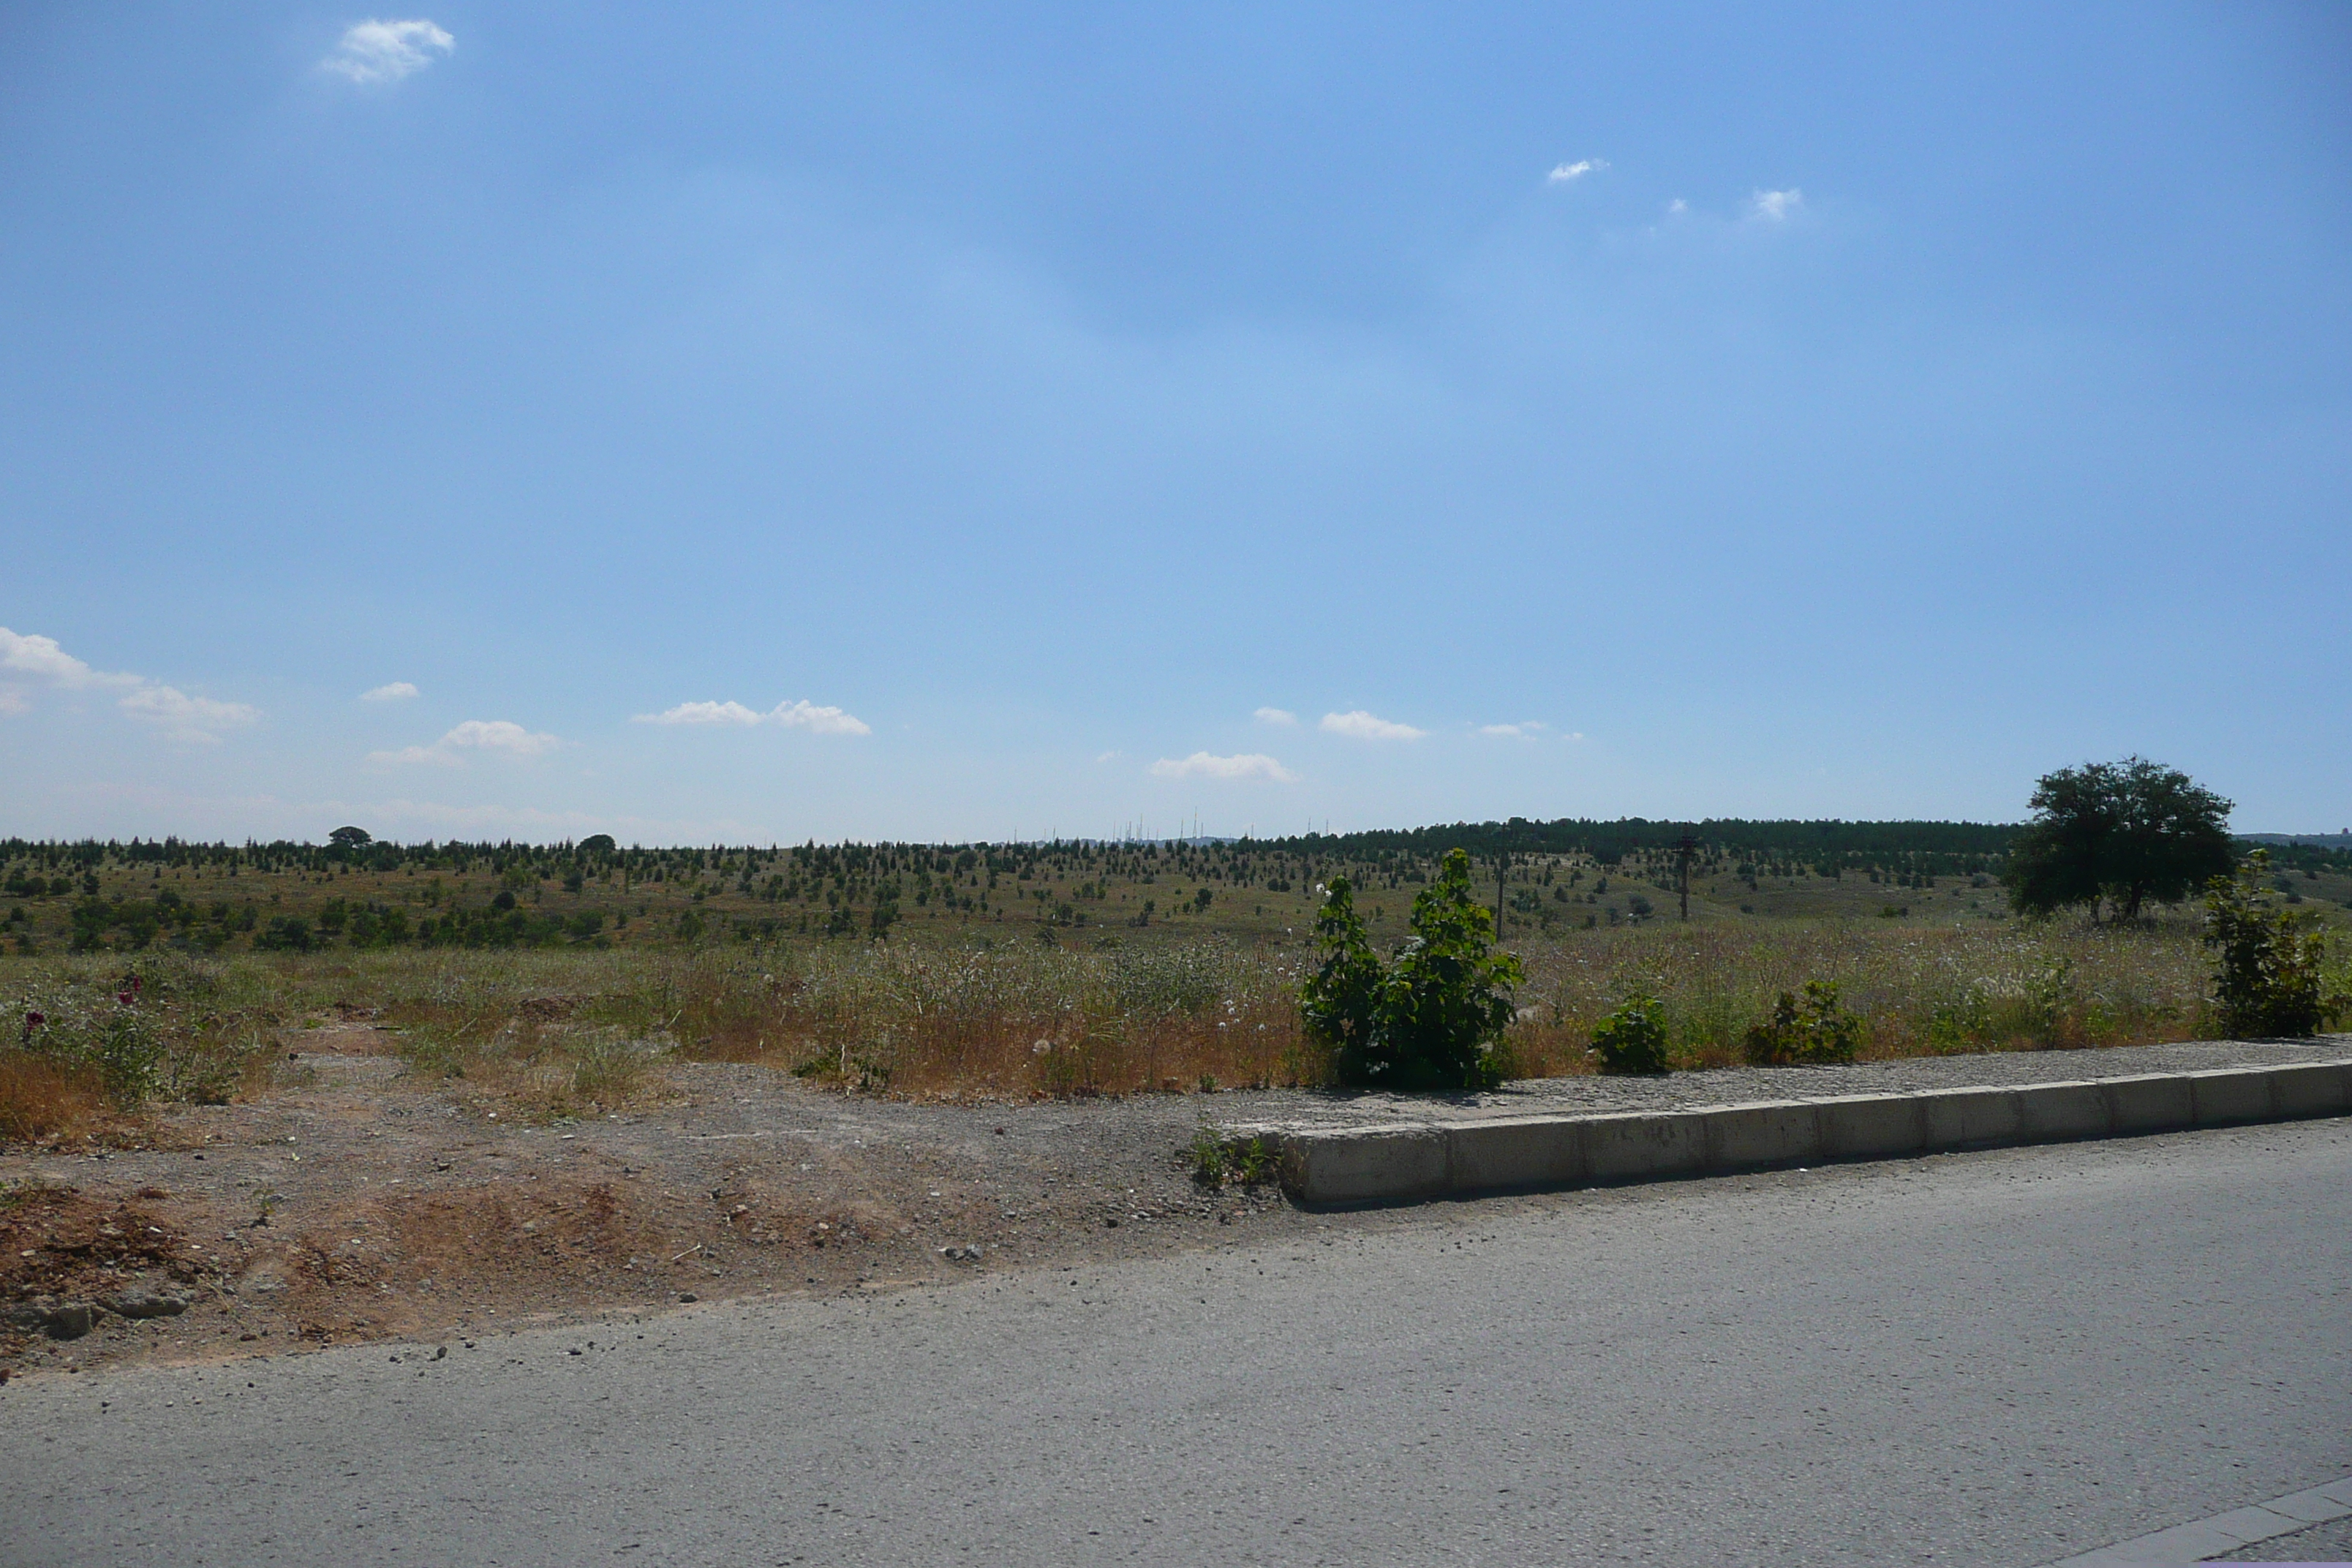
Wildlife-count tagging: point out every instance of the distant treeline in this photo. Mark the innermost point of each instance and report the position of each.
(1827, 849)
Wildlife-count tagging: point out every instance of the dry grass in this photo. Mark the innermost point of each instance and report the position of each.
(566, 1032)
(561, 1033)
(42, 1099)
(1920, 991)
(95, 1036)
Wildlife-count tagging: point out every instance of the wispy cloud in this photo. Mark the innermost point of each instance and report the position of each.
(1202, 766)
(41, 656)
(1568, 174)
(791, 715)
(178, 715)
(1677, 205)
(497, 737)
(1275, 716)
(187, 718)
(1362, 726)
(13, 702)
(396, 691)
(1525, 728)
(378, 51)
(1775, 206)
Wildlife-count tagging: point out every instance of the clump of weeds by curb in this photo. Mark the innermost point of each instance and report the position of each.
(1218, 1161)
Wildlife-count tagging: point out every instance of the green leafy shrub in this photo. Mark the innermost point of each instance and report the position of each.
(1810, 1032)
(1632, 1037)
(1433, 1019)
(1216, 1160)
(285, 933)
(2269, 976)
(1340, 1003)
(1208, 1157)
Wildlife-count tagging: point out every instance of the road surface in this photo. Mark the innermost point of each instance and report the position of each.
(2006, 1357)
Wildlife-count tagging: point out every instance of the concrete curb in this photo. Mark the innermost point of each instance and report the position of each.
(1405, 1163)
(2241, 1527)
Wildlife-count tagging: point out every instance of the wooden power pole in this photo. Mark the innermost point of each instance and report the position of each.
(1502, 864)
(1684, 848)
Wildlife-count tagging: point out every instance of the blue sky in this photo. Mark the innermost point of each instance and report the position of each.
(933, 423)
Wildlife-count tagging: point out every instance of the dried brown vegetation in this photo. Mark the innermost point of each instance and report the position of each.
(42, 1099)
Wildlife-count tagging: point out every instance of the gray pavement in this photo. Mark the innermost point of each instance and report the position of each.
(2005, 1357)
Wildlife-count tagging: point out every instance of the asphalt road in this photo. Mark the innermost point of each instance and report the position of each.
(1997, 1358)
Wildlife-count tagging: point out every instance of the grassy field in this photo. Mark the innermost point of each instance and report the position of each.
(218, 898)
(561, 982)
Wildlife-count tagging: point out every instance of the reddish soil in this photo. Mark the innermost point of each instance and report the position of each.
(358, 1201)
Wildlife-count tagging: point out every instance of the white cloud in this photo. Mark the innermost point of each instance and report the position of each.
(1567, 174)
(397, 691)
(702, 713)
(823, 721)
(42, 657)
(1275, 716)
(800, 715)
(1202, 766)
(1362, 726)
(181, 716)
(1525, 728)
(377, 51)
(1678, 206)
(13, 702)
(1775, 206)
(187, 718)
(494, 735)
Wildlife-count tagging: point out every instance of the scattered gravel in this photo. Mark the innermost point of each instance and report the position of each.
(371, 1202)
(1738, 1086)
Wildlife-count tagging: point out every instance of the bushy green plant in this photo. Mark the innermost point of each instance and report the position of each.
(1340, 1003)
(1632, 1038)
(2269, 971)
(1208, 1156)
(1433, 1019)
(1810, 1032)
(1217, 1158)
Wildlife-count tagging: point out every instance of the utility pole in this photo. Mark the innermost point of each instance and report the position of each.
(1684, 848)
(1502, 864)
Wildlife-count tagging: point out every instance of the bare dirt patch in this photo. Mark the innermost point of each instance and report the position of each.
(357, 1199)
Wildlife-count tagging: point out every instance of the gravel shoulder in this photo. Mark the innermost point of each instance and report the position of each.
(360, 1202)
(1742, 1085)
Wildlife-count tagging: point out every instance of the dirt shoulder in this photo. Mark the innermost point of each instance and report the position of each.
(369, 1203)
(362, 1202)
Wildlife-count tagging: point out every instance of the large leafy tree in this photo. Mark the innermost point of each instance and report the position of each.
(2118, 835)
(1435, 1018)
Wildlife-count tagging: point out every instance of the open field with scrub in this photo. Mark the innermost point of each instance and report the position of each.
(493, 1106)
(547, 1033)
(1551, 879)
